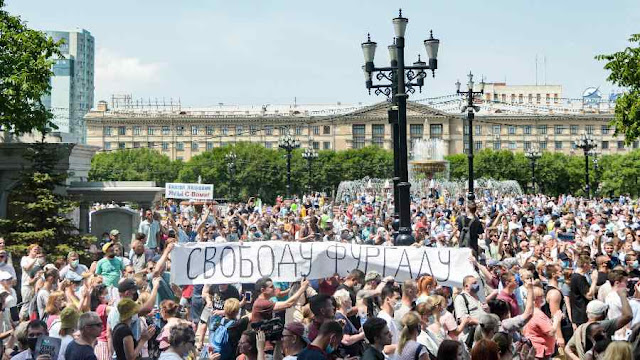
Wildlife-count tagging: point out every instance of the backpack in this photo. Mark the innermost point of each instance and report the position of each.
(220, 340)
(472, 329)
(465, 234)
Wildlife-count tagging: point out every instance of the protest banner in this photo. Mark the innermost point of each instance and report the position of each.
(189, 191)
(220, 263)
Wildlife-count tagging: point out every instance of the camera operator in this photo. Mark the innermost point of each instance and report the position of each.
(263, 307)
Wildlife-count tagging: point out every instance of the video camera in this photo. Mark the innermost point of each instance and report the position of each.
(272, 328)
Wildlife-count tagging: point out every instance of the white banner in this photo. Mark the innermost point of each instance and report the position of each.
(189, 191)
(211, 263)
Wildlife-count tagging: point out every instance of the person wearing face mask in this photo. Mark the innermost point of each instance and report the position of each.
(390, 302)
(409, 295)
(352, 339)
(323, 308)
(408, 346)
(73, 265)
(540, 329)
(50, 284)
(31, 265)
(467, 305)
(110, 267)
(353, 283)
(181, 341)
(327, 341)
(35, 329)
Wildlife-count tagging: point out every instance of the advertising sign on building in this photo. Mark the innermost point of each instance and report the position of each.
(189, 191)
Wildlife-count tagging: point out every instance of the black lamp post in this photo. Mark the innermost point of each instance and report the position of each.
(596, 173)
(586, 143)
(309, 154)
(231, 165)
(470, 109)
(402, 81)
(288, 143)
(533, 155)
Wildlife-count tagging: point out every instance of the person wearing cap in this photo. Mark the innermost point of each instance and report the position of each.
(5, 265)
(65, 328)
(124, 343)
(110, 267)
(598, 330)
(293, 340)
(114, 236)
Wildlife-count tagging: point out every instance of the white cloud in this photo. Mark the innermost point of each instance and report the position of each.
(116, 73)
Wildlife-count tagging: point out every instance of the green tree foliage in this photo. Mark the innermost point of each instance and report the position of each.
(625, 72)
(134, 165)
(37, 212)
(25, 69)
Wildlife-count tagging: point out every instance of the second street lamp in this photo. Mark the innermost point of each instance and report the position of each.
(309, 154)
(470, 108)
(596, 173)
(230, 158)
(586, 143)
(533, 155)
(288, 143)
(403, 80)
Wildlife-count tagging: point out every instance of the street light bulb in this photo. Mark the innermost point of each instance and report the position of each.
(369, 49)
(393, 53)
(458, 85)
(400, 25)
(431, 46)
(482, 84)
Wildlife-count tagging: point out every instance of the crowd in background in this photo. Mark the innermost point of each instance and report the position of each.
(555, 277)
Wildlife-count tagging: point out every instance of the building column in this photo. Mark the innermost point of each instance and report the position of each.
(84, 217)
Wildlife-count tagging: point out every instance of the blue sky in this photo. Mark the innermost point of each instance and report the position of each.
(270, 52)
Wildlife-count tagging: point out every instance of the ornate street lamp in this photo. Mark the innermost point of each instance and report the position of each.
(231, 158)
(470, 108)
(288, 143)
(586, 143)
(401, 81)
(533, 154)
(310, 155)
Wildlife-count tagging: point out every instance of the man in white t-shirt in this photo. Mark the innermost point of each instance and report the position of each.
(391, 301)
(618, 280)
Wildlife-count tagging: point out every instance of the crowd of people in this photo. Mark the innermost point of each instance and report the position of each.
(555, 277)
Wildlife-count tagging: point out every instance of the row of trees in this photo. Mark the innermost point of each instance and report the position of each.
(261, 171)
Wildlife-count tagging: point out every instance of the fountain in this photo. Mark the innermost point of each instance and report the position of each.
(428, 160)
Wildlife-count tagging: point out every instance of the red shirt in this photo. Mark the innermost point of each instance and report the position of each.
(511, 300)
(537, 330)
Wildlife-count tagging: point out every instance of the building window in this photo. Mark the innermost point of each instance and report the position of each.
(513, 98)
(358, 131)
(496, 129)
(605, 145)
(620, 145)
(530, 98)
(106, 131)
(512, 145)
(559, 129)
(527, 145)
(478, 130)
(527, 130)
(224, 130)
(179, 158)
(136, 130)
(107, 145)
(478, 145)
(315, 130)
(497, 145)
(165, 130)
(121, 145)
(282, 131)
(151, 130)
(542, 129)
(209, 130)
(512, 130)
(574, 129)
(209, 145)
(543, 145)
(136, 144)
(504, 98)
(315, 145)
(558, 145)
(326, 145)
(378, 134)
(520, 98)
(298, 130)
(194, 146)
(179, 130)
(465, 129)
(548, 98)
(605, 129)
(122, 130)
(495, 97)
(194, 130)
(416, 131)
(466, 145)
(268, 130)
(589, 129)
(326, 130)
(165, 146)
(268, 145)
(151, 144)
(435, 131)
(253, 130)
(180, 146)
(538, 97)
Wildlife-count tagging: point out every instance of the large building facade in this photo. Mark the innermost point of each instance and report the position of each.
(184, 133)
(72, 83)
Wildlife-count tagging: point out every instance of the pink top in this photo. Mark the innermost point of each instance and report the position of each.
(537, 330)
(101, 310)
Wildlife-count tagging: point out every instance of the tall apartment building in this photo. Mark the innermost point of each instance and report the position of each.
(183, 133)
(72, 83)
